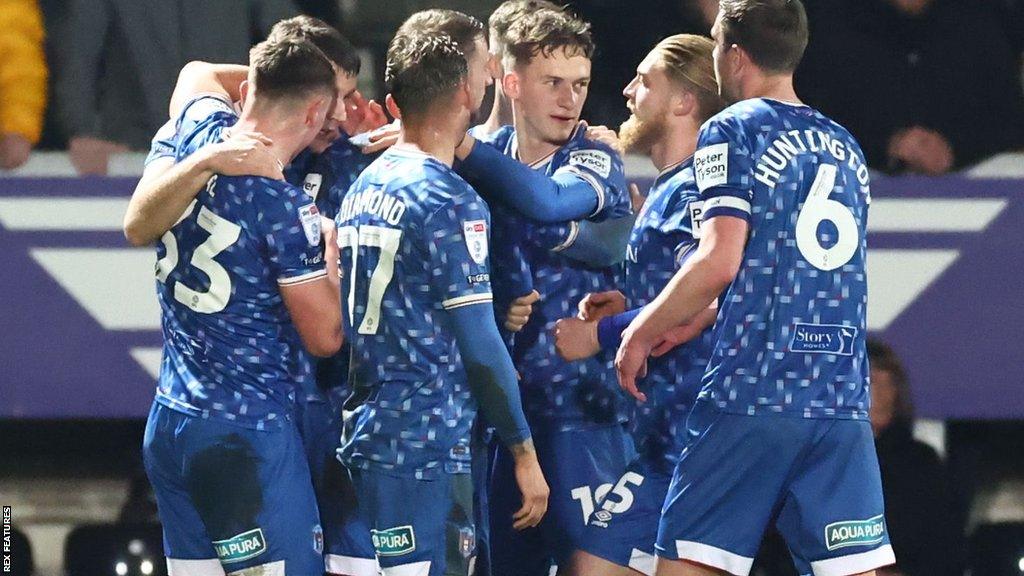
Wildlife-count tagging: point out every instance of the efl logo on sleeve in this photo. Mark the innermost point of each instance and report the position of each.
(823, 339)
(593, 160)
(475, 234)
(310, 218)
(711, 166)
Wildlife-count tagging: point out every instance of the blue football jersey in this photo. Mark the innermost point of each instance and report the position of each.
(666, 232)
(201, 121)
(325, 178)
(790, 334)
(228, 339)
(164, 142)
(328, 175)
(560, 395)
(414, 243)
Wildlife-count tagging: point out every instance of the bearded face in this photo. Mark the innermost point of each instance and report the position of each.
(648, 97)
(638, 136)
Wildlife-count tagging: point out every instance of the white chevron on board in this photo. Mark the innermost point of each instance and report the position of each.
(886, 215)
(897, 277)
(62, 213)
(934, 214)
(116, 286)
(149, 359)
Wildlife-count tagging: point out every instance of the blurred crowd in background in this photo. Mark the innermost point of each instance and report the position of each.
(927, 86)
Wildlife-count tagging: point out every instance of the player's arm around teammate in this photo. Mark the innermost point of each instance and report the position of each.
(169, 184)
(166, 188)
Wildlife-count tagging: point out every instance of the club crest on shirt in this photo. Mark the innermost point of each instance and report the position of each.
(475, 234)
(310, 217)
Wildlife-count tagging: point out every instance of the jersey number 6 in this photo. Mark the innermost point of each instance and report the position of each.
(818, 208)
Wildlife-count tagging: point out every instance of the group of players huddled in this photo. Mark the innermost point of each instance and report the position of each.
(430, 347)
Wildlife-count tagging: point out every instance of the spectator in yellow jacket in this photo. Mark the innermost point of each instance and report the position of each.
(22, 80)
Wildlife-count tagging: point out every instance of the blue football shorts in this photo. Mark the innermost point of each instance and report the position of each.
(231, 498)
(580, 466)
(816, 479)
(624, 526)
(347, 546)
(419, 527)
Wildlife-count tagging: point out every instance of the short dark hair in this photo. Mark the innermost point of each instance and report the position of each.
(509, 12)
(324, 36)
(882, 357)
(461, 28)
(290, 69)
(544, 32)
(422, 69)
(772, 32)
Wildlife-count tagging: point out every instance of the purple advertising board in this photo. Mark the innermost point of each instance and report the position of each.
(79, 324)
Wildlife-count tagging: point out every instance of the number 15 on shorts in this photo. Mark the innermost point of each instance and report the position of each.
(613, 500)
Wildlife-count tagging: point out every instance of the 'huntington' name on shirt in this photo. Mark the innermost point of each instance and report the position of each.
(373, 202)
(787, 146)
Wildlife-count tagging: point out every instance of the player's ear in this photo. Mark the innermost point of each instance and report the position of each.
(463, 95)
(243, 93)
(683, 103)
(739, 57)
(317, 110)
(510, 83)
(494, 67)
(392, 107)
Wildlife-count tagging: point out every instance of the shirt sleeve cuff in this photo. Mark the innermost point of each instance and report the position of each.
(726, 205)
